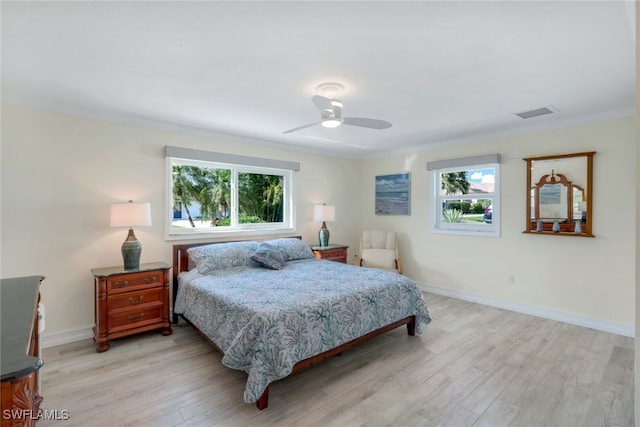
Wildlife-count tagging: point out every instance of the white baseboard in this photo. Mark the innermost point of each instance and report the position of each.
(65, 337)
(72, 335)
(574, 319)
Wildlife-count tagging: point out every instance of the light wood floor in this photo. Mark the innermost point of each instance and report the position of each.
(474, 366)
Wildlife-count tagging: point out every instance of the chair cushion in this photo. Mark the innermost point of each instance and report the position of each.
(379, 258)
(378, 239)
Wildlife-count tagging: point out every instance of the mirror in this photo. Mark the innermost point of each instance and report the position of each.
(559, 200)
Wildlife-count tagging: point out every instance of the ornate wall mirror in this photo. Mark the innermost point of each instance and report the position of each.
(559, 194)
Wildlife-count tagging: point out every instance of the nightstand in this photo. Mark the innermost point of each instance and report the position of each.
(336, 253)
(130, 301)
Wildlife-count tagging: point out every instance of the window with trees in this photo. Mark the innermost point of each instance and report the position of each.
(219, 193)
(466, 195)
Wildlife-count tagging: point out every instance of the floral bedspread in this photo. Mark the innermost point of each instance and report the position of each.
(265, 321)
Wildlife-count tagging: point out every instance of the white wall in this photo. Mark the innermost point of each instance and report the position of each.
(60, 174)
(590, 278)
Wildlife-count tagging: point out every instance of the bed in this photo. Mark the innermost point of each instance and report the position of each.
(273, 309)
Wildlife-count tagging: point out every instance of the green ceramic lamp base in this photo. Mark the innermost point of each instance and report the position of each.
(323, 235)
(131, 250)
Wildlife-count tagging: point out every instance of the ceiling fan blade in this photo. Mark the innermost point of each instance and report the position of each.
(366, 123)
(322, 103)
(301, 127)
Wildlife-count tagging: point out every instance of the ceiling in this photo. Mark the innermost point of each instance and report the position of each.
(440, 72)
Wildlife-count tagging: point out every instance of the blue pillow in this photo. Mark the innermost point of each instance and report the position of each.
(222, 256)
(269, 256)
(294, 248)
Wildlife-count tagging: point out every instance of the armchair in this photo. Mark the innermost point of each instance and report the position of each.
(379, 249)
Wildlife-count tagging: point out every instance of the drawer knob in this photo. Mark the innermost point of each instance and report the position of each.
(148, 280)
(138, 301)
(136, 319)
(121, 284)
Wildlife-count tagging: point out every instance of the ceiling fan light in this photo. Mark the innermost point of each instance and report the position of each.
(331, 123)
(330, 90)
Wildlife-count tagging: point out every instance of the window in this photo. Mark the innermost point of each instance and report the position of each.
(215, 193)
(466, 195)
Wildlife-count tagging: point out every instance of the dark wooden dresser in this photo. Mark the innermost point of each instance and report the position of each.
(20, 351)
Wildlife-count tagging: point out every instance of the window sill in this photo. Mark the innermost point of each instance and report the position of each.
(477, 233)
(223, 234)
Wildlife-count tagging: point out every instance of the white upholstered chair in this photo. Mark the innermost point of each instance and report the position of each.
(379, 249)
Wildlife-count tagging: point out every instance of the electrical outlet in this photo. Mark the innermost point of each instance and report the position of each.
(511, 278)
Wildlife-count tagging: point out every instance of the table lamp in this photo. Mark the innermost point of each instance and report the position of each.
(324, 213)
(582, 207)
(130, 214)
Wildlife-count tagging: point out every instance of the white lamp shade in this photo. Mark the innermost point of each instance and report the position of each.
(130, 214)
(324, 213)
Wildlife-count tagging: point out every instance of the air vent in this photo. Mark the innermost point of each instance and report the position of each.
(535, 113)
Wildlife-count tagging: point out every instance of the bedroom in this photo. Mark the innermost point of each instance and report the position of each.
(74, 167)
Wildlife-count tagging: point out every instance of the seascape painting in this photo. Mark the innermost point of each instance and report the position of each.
(393, 195)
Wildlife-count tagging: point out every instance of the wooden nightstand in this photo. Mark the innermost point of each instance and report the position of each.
(336, 253)
(130, 301)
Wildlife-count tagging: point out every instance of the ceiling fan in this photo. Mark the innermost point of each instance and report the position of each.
(331, 111)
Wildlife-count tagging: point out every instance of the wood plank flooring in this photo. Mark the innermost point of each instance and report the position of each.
(473, 366)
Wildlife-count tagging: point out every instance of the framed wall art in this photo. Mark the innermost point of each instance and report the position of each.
(393, 194)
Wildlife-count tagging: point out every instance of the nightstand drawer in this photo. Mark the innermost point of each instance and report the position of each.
(132, 319)
(135, 299)
(133, 281)
(337, 253)
(334, 254)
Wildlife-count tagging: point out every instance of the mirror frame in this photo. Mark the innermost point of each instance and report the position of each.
(587, 227)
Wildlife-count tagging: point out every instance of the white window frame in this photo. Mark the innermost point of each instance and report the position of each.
(237, 164)
(437, 198)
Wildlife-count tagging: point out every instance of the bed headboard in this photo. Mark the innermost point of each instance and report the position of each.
(181, 260)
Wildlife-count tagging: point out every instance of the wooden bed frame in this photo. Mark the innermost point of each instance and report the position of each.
(181, 263)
